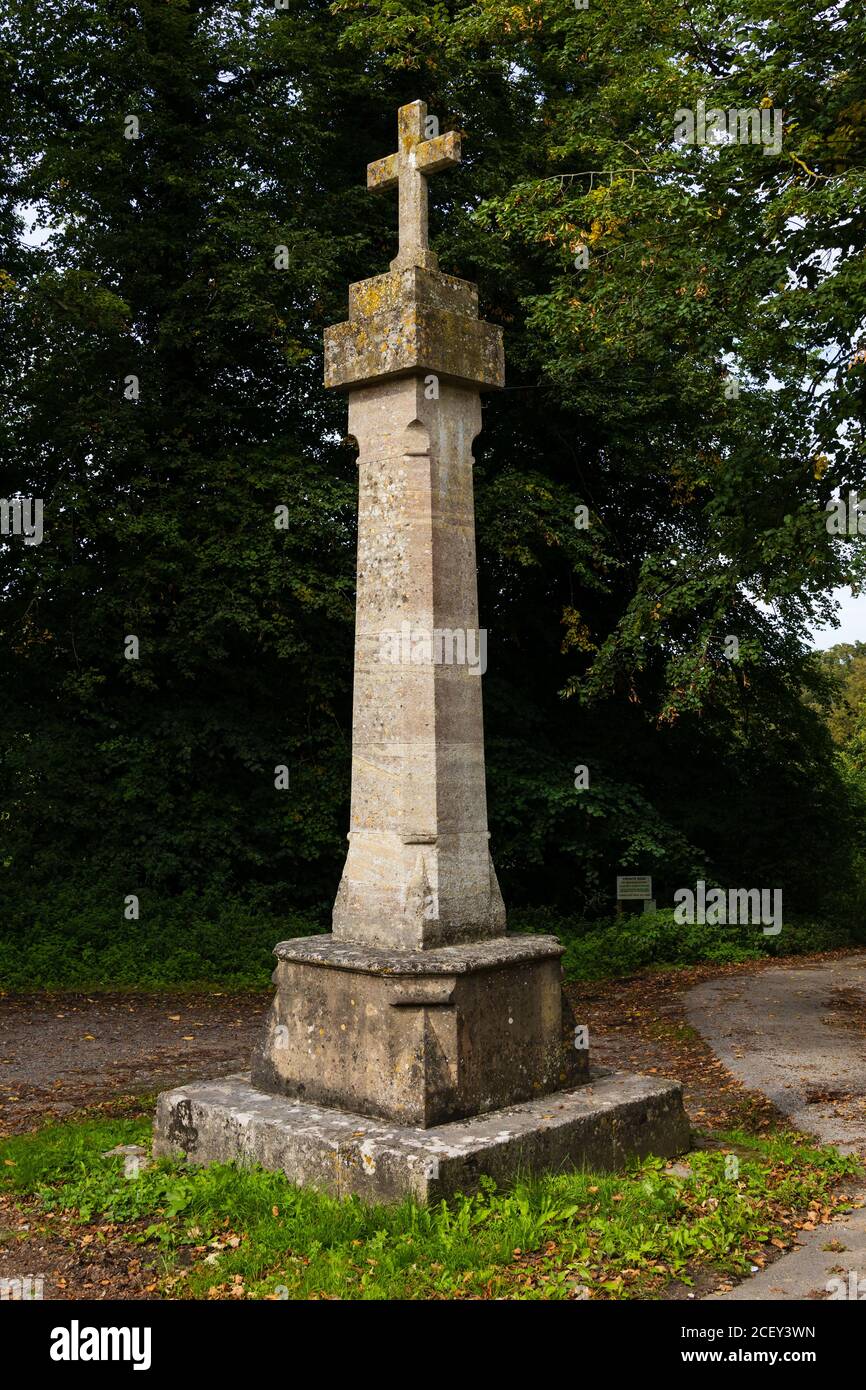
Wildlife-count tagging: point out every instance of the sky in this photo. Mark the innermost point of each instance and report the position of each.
(852, 622)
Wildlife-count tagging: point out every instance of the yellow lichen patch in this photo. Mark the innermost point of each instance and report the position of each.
(371, 298)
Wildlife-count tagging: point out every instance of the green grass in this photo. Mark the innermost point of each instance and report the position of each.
(227, 1232)
(645, 941)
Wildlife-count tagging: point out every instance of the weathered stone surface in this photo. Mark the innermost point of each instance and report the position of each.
(328, 949)
(598, 1126)
(412, 321)
(389, 292)
(418, 874)
(370, 1032)
(407, 170)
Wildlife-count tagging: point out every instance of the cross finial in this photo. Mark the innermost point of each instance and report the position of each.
(417, 157)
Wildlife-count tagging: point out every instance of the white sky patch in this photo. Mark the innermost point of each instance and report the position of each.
(852, 622)
(35, 232)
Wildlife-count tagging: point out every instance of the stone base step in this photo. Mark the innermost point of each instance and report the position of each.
(597, 1125)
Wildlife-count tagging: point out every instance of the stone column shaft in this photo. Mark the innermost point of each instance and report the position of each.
(413, 356)
(418, 873)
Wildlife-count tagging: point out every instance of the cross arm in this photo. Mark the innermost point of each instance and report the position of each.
(442, 152)
(383, 173)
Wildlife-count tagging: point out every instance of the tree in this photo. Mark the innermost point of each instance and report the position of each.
(165, 399)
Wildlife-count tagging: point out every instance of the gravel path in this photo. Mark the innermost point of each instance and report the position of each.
(61, 1052)
(798, 1034)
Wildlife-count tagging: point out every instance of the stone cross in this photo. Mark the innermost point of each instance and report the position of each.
(419, 1009)
(418, 1006)
(408, 171)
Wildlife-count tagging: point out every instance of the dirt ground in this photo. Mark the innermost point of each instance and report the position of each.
(60, 1053)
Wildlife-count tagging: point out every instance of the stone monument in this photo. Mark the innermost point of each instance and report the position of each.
(418, 1045)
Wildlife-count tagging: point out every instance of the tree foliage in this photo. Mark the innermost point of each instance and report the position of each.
(608, 645)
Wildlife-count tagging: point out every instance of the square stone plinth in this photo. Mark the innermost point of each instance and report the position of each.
(414, 320)
(598, 1125)
(419, 1037)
